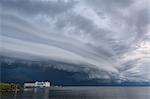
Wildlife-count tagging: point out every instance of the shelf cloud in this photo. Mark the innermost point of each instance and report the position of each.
(109, 39)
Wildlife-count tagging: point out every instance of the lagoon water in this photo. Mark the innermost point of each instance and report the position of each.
(81, 93)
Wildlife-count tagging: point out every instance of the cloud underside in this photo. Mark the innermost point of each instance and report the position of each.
(109, 39)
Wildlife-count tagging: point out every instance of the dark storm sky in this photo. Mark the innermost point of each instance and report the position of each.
(103, 38)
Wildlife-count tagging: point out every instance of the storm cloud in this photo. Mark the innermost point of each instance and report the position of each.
(109, 39)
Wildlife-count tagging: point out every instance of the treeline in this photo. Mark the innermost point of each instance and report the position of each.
(10, 87)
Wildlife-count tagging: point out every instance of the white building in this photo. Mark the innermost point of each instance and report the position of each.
(29, 85)
(47, 84)
(42, 84)
(37, 84)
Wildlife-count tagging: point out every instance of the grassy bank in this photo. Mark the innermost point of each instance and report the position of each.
(10, 87)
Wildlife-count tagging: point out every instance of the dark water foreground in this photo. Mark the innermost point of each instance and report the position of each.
(81, 93)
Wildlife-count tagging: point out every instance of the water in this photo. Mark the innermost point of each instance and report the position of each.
(81, 93)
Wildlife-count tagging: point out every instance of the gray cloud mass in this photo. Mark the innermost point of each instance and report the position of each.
(107, 39)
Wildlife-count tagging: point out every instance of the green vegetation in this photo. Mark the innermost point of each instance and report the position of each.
(7, 87)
